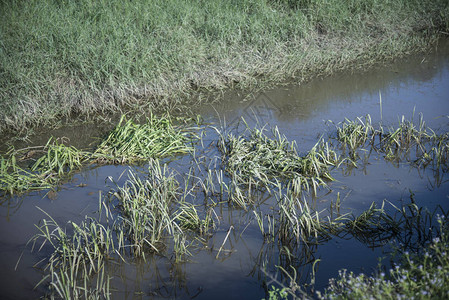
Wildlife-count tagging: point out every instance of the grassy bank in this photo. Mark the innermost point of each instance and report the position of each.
(81, 58)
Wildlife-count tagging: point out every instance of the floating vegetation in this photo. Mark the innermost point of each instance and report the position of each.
(146, 220)
(299, 222)
(59, 159)
(374, 226)
(422, 271)
(354, 134)
(130, 142)
(257, 161)
(154, 214)
(153, 210)
(15, 179)
(189, 219)
(47, 171)
(294, 222)
(410, 142)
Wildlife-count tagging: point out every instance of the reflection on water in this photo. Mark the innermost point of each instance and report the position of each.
(247, 263)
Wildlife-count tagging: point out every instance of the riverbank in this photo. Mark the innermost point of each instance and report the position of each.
(62, 59)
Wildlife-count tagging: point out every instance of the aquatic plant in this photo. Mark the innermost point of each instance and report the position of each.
(188, 219)
(409, 142)
(47, 171)
(76, 264)
(258, 161)
(146, 208)
(154, 217)
(142, 217)
(130, 142)
(59, 158)
(15, 179)
(355, 134)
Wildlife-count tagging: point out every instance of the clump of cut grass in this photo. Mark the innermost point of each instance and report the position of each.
(294, 222)
(57, 162)
(188, 219)
(130, 142)
(409, 142)
(374, 226)
(421, 253)
(355, 134)
(407, 134)
(258, 161)
(298, 221)
(153, 215)
(59, 158)
(15, 179)
(397, 143)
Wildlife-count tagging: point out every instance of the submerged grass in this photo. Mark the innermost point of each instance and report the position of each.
(14, 179)
(81, 58)
(60, 159)
(146, 209)
(420, 267)
(143, 217)
(154, 214)
(409, 141)
(295, 223)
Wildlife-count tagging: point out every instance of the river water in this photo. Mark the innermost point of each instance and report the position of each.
(416, 84)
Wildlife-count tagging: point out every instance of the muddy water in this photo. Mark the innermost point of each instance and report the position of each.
(419, 83)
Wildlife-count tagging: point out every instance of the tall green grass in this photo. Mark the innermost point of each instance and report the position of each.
(79, 58)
